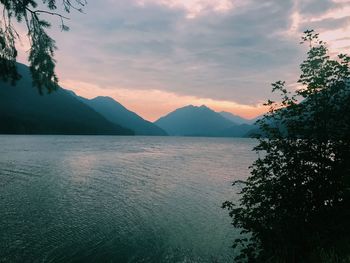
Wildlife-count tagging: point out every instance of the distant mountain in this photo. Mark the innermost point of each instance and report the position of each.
(235, 118)
(24, 111)
(117, 113)
(200, 121)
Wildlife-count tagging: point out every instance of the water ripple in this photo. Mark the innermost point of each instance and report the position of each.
(118, 199)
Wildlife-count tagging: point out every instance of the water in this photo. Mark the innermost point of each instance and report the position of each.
(118, 199)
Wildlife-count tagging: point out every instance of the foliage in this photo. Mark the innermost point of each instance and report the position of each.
(41, 53)
(296, 203)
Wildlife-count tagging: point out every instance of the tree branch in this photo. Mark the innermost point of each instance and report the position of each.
(46, 12)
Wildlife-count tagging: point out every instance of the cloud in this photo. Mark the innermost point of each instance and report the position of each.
(223, 50)
(328, 23)
(194, 8)
(315, 7)
(218, 55)
(330, 18)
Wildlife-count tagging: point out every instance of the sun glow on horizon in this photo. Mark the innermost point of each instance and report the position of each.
(152, 104)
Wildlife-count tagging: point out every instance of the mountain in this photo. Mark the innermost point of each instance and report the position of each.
(24, 111)
(235, 118)
(117, 113)
(200, 121)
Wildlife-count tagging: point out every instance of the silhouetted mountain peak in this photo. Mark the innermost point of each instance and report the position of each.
(104, 98)
(194, 108)
(117, 113)
(193, 121)
(201, 121)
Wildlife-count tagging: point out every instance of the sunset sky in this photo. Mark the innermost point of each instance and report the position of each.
(154, 56)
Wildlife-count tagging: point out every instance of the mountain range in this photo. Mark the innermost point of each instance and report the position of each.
(24, 111)
(202, 121)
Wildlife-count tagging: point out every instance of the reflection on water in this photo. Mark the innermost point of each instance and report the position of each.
(118, 199)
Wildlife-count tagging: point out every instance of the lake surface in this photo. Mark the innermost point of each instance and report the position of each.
(118, 199)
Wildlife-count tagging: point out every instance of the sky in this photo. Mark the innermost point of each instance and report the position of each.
(154, 56)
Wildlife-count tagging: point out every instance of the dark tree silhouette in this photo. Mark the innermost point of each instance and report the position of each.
(295, 206)
(42, 46)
